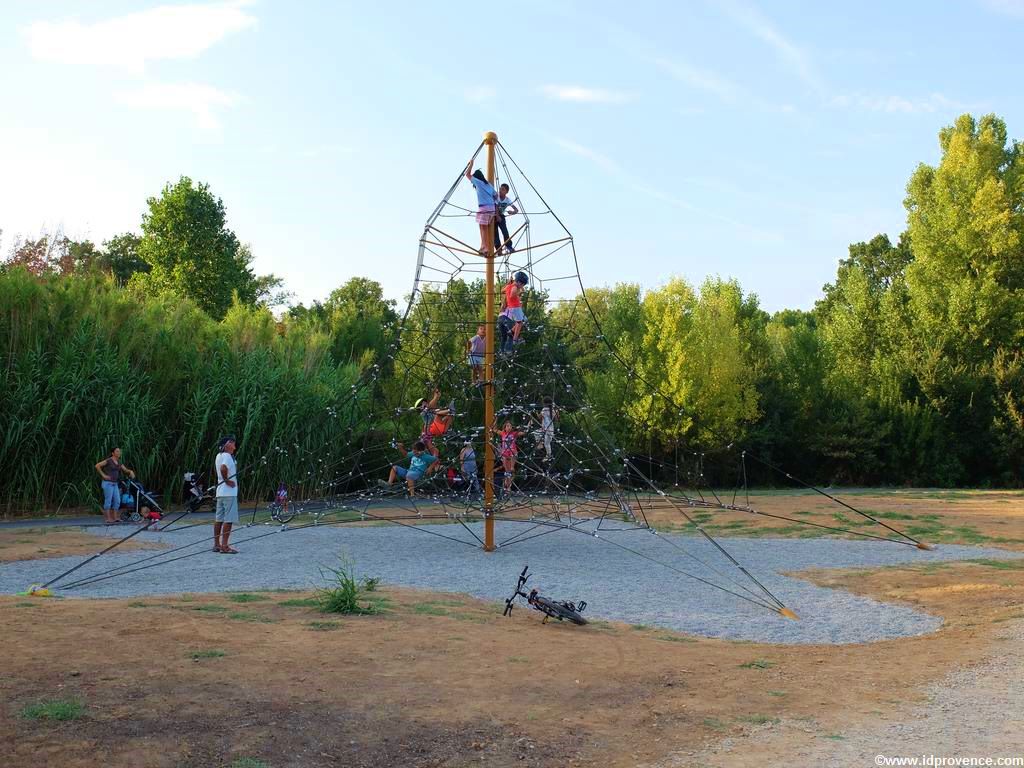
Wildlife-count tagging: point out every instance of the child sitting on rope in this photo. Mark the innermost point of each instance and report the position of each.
(512, 308)
(503, 207)
(485, 197)
(421, 464)
(475, 349)
(435, 420)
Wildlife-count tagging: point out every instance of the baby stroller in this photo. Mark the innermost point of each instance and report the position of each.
(138, 504)
(193, 494)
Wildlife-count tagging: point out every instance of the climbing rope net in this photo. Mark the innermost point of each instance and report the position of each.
(566, 474)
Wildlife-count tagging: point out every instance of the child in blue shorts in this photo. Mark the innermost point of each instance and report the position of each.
(420, 465)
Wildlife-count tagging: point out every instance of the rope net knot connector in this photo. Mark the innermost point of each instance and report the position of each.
(788, 613)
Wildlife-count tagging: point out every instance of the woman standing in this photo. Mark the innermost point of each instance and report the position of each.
(110, 470)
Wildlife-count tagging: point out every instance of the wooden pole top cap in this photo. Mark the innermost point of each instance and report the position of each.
(490, 137)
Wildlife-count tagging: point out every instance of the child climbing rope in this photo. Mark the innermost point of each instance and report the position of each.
(421, 464)
(503, 207)
(435, 420)
(469, 470)
(485, 197)
(475, 349)
(512, 308)
(546, 433)
(508, 450)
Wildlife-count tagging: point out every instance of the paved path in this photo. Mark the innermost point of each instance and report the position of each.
(974, 712)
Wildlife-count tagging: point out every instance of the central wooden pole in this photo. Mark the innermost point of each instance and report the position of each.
(490, 139)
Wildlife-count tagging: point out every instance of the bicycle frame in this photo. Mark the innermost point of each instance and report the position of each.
(546, 605)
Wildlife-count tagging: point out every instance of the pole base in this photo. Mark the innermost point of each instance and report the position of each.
(922, 545)
(789, 614)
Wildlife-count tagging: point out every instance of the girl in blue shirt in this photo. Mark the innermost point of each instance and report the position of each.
(485, 197)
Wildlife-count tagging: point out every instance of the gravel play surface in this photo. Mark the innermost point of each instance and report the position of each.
(616, 583)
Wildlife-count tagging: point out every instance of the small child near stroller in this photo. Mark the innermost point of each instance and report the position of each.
(137, 504)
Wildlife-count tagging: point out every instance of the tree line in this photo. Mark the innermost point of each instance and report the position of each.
(908, 371)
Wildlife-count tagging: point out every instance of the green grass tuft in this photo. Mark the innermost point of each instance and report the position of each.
(248, 762)
(324, 626)
(54, 709)
(675, 638)
(429, 609)
(758, 664)
(758, 719)
(210, 653)
(345, 593)
(246, 597)
(300, 602)
(1002, 565)
(244, 616)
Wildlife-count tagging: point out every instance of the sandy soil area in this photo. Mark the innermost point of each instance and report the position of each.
(443, 680)
(50, 541)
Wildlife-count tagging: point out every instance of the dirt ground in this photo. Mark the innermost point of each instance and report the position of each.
(934, 517)
(55, 541)
(251, 679)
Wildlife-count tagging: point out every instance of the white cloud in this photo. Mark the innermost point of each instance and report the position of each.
(480, 94)
(582, 94)
(892, 104)
(615, 170)
(603, 162)
(701, 79)
(201, 100)
(792, 55)
(129, 42)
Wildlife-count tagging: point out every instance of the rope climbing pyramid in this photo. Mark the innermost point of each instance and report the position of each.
(476, 426)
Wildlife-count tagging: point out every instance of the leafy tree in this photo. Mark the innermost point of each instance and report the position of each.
(694, 356)
(966, 224)
(966, 282)
(357, 318)
(121, 257)
(192, 253)
(37, 256)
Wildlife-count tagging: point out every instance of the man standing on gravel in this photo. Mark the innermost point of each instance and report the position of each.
(226, 514)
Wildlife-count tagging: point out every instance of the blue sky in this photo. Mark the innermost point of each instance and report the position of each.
(733, 138)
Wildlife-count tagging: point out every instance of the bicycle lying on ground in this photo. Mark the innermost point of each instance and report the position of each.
(552, 609)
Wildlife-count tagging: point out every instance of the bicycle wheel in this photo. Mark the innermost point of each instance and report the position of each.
(280, 514)
(285, 515)
(558, 611)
